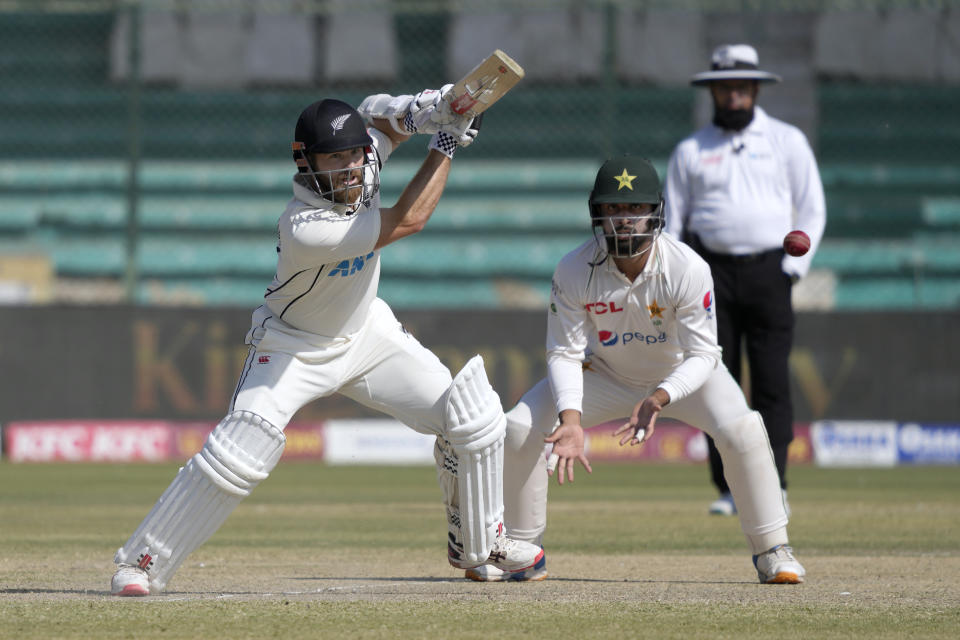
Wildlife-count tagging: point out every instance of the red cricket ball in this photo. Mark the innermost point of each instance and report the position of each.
(796, 243)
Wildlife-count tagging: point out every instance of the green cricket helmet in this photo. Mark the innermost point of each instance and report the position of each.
(626, 180)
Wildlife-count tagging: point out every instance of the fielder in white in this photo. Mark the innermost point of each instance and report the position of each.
(323, 330)
(631, 331)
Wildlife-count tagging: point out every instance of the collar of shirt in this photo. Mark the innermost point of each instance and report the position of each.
(654, 267)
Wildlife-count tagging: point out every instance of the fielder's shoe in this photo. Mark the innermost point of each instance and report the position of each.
(778, 566)
(507, 555)
(489, 573)
(723, 506)
(129, 581)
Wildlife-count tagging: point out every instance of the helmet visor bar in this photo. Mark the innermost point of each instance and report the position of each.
(626, 234)
(351, 186)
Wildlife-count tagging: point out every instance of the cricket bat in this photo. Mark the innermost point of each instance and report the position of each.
(489, 81)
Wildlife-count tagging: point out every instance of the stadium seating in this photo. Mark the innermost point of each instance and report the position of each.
(207, 232)
(910, 124)
(213, 168)
(942, 212)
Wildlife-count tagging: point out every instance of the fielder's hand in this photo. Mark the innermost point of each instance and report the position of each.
(642, 421)
(567, 442)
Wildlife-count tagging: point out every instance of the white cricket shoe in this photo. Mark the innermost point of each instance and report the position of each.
(489, 573)
(778, 566)
(130, 581)
(507, 555)
(514, 555)
(723, 506)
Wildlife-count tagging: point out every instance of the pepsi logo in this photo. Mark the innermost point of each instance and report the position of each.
(607, 338)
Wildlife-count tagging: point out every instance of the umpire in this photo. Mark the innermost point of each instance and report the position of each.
(734, 189)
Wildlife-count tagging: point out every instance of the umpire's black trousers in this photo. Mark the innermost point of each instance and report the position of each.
(753, 308)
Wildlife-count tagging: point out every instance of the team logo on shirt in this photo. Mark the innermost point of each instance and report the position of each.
(708, 303)
(350, 267)
(656, 311)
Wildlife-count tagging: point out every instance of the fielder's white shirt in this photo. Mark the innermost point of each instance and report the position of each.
(741, 192)
(657, 331)
(327, 269)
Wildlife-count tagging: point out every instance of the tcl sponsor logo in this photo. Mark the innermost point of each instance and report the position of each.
(600, 308)
(610, 339)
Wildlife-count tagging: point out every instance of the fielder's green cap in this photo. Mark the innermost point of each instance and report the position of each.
(626, 179)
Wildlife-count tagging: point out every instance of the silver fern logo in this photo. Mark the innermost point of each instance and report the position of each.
(338, 122)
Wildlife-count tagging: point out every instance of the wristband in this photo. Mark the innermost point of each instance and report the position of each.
(444, 143)
(408, 125)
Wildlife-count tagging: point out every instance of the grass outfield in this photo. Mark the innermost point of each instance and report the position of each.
(359, 552)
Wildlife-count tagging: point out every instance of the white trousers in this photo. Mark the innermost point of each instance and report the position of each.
(718, 408)
(381, 367)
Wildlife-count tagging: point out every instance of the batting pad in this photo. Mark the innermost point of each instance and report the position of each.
(238, 455)
(752, 475)
(475, 429)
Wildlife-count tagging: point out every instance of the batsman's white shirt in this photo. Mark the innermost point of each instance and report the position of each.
(323, 330)
(327, 268)
(742, 192)
(657, 331)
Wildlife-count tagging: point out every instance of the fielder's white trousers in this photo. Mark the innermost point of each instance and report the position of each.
(381, 367)
(718, 408)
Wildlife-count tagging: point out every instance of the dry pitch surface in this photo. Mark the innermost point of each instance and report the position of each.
(920, 581)
(359, 553)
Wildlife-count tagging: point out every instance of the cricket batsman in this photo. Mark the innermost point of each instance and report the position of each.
(322, 330)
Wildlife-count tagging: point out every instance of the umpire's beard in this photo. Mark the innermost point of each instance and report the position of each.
(732, 119)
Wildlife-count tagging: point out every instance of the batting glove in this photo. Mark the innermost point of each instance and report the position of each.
(469, 134)
(429, 113)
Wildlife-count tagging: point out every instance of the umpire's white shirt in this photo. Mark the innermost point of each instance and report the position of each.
(657, 331)
(327, 269)
(742, 192)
